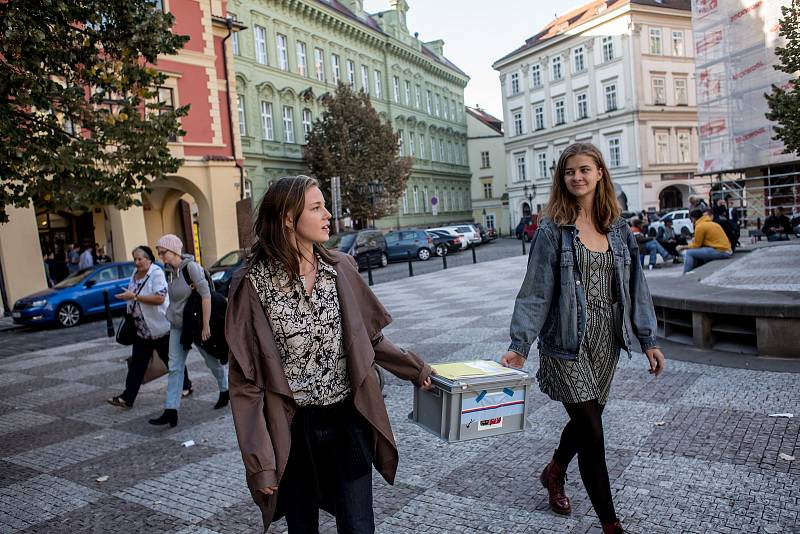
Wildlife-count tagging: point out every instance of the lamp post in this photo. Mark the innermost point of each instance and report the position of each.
(375, 189)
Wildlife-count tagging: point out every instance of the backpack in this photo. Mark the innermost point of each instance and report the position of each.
(216, 345)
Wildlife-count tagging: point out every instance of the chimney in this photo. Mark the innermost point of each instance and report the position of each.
(437, 47)
(356, 6)
(401, 8)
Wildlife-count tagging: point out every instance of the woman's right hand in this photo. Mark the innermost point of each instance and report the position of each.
(269, 490)
(512, 359)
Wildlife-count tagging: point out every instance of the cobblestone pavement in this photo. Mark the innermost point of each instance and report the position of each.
(692, 451)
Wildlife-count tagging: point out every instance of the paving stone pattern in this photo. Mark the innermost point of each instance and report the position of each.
(692, 451)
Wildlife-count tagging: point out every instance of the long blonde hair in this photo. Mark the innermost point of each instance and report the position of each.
(563, 207)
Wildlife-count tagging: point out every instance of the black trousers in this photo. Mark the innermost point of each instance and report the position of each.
(330, 467)
(140, 357)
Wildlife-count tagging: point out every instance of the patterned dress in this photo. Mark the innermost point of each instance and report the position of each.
(589, 377)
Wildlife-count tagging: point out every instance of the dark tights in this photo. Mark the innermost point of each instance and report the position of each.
(583, 436)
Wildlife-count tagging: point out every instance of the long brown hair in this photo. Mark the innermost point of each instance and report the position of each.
(272, 240)
(563, 207)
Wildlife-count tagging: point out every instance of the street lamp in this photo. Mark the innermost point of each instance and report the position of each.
(529, 193)
(375, 189)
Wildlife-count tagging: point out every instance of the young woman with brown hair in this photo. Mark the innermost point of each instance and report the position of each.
(584, 297)
(304, 331)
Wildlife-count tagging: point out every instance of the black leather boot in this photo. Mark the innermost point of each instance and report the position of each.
(224, 397)
(169, 417)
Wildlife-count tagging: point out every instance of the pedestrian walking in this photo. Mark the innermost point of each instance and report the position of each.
(73, 257)
(86, 258)
(304, 331)
(584, 297)
(147, 304)
(185, 276)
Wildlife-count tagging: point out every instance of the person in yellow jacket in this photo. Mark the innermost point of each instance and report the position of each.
(710, 242)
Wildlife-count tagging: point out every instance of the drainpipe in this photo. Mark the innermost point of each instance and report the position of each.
(229, 22)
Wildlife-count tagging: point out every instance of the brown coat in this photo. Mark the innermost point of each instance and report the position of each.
(261, 401)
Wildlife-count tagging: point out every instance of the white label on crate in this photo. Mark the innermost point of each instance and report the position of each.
(488, 424)
(489, 405)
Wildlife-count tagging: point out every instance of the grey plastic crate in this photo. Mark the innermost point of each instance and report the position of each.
(471, 408)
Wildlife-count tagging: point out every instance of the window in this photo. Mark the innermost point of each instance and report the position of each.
(401, 150)
(446, 108)
(608, 48)
(283, 55)
(396, 88)
(319, 64)
(578, 59)
(582, 105)
(662, 147)
(451, 155)
(425, 201)
(522, 173)
(677, 43)
(541, 165)
(306, 121)
(260, 34)
(428, 104)
(364, 79)
(488, 221)
(301, 58)
(437, 104)
(418, 94)
(240, 109)
(555, 68)
(408, 93)
(421, 146)
(248, 189)
(485, 159)
(337, 73)
(442, 153)
(684, 147)
(659, 91)
(655, 41)
(614, 152)
(412, 144)
(538, 116)
(514, 83)
(234, 38)
(487, 190)
(405, 201)
(378, 85)
(559, 112)
(536, 76)
(351, 73)
(681, 94)
(166, 104)
(288, 124)
(267, 131)
(611, 96)
(517, 122)
(434, 156)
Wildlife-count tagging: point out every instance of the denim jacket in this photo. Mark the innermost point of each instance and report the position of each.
(551, 304)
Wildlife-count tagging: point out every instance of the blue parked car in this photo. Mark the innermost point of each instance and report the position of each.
(75, 297)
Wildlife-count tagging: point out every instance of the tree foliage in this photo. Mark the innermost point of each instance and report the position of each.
(80, 118)
(784, 102)
(350, 141)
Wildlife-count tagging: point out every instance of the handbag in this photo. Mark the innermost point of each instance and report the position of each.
(126, 333)
(156, 368)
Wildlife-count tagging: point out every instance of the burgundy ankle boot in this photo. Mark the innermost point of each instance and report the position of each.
(553, 478)
(613, 528)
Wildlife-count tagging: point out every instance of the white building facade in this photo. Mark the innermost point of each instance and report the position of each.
(487, 163)
(618, 76)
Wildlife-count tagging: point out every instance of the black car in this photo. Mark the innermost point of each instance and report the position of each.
(445, 243)
(222, 270)
(364, 245)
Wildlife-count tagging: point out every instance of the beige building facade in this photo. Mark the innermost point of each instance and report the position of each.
(618, 75)
(487, 163)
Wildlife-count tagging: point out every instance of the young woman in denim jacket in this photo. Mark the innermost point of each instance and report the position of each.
(584, 297)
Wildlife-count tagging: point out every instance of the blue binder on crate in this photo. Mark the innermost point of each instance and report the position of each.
(473, 399)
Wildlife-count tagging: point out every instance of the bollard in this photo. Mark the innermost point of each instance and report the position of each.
(523, 245)
(109, 321)
(410, 266)
(369, 271)
(444, 260)
(474, 258)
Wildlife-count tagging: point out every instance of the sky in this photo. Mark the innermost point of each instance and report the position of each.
(477, 33)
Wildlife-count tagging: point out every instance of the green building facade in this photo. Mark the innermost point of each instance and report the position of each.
(295, 51)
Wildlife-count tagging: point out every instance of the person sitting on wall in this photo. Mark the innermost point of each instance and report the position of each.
(777, 226)
(648, 245)
(710, 242)
(668, 239)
